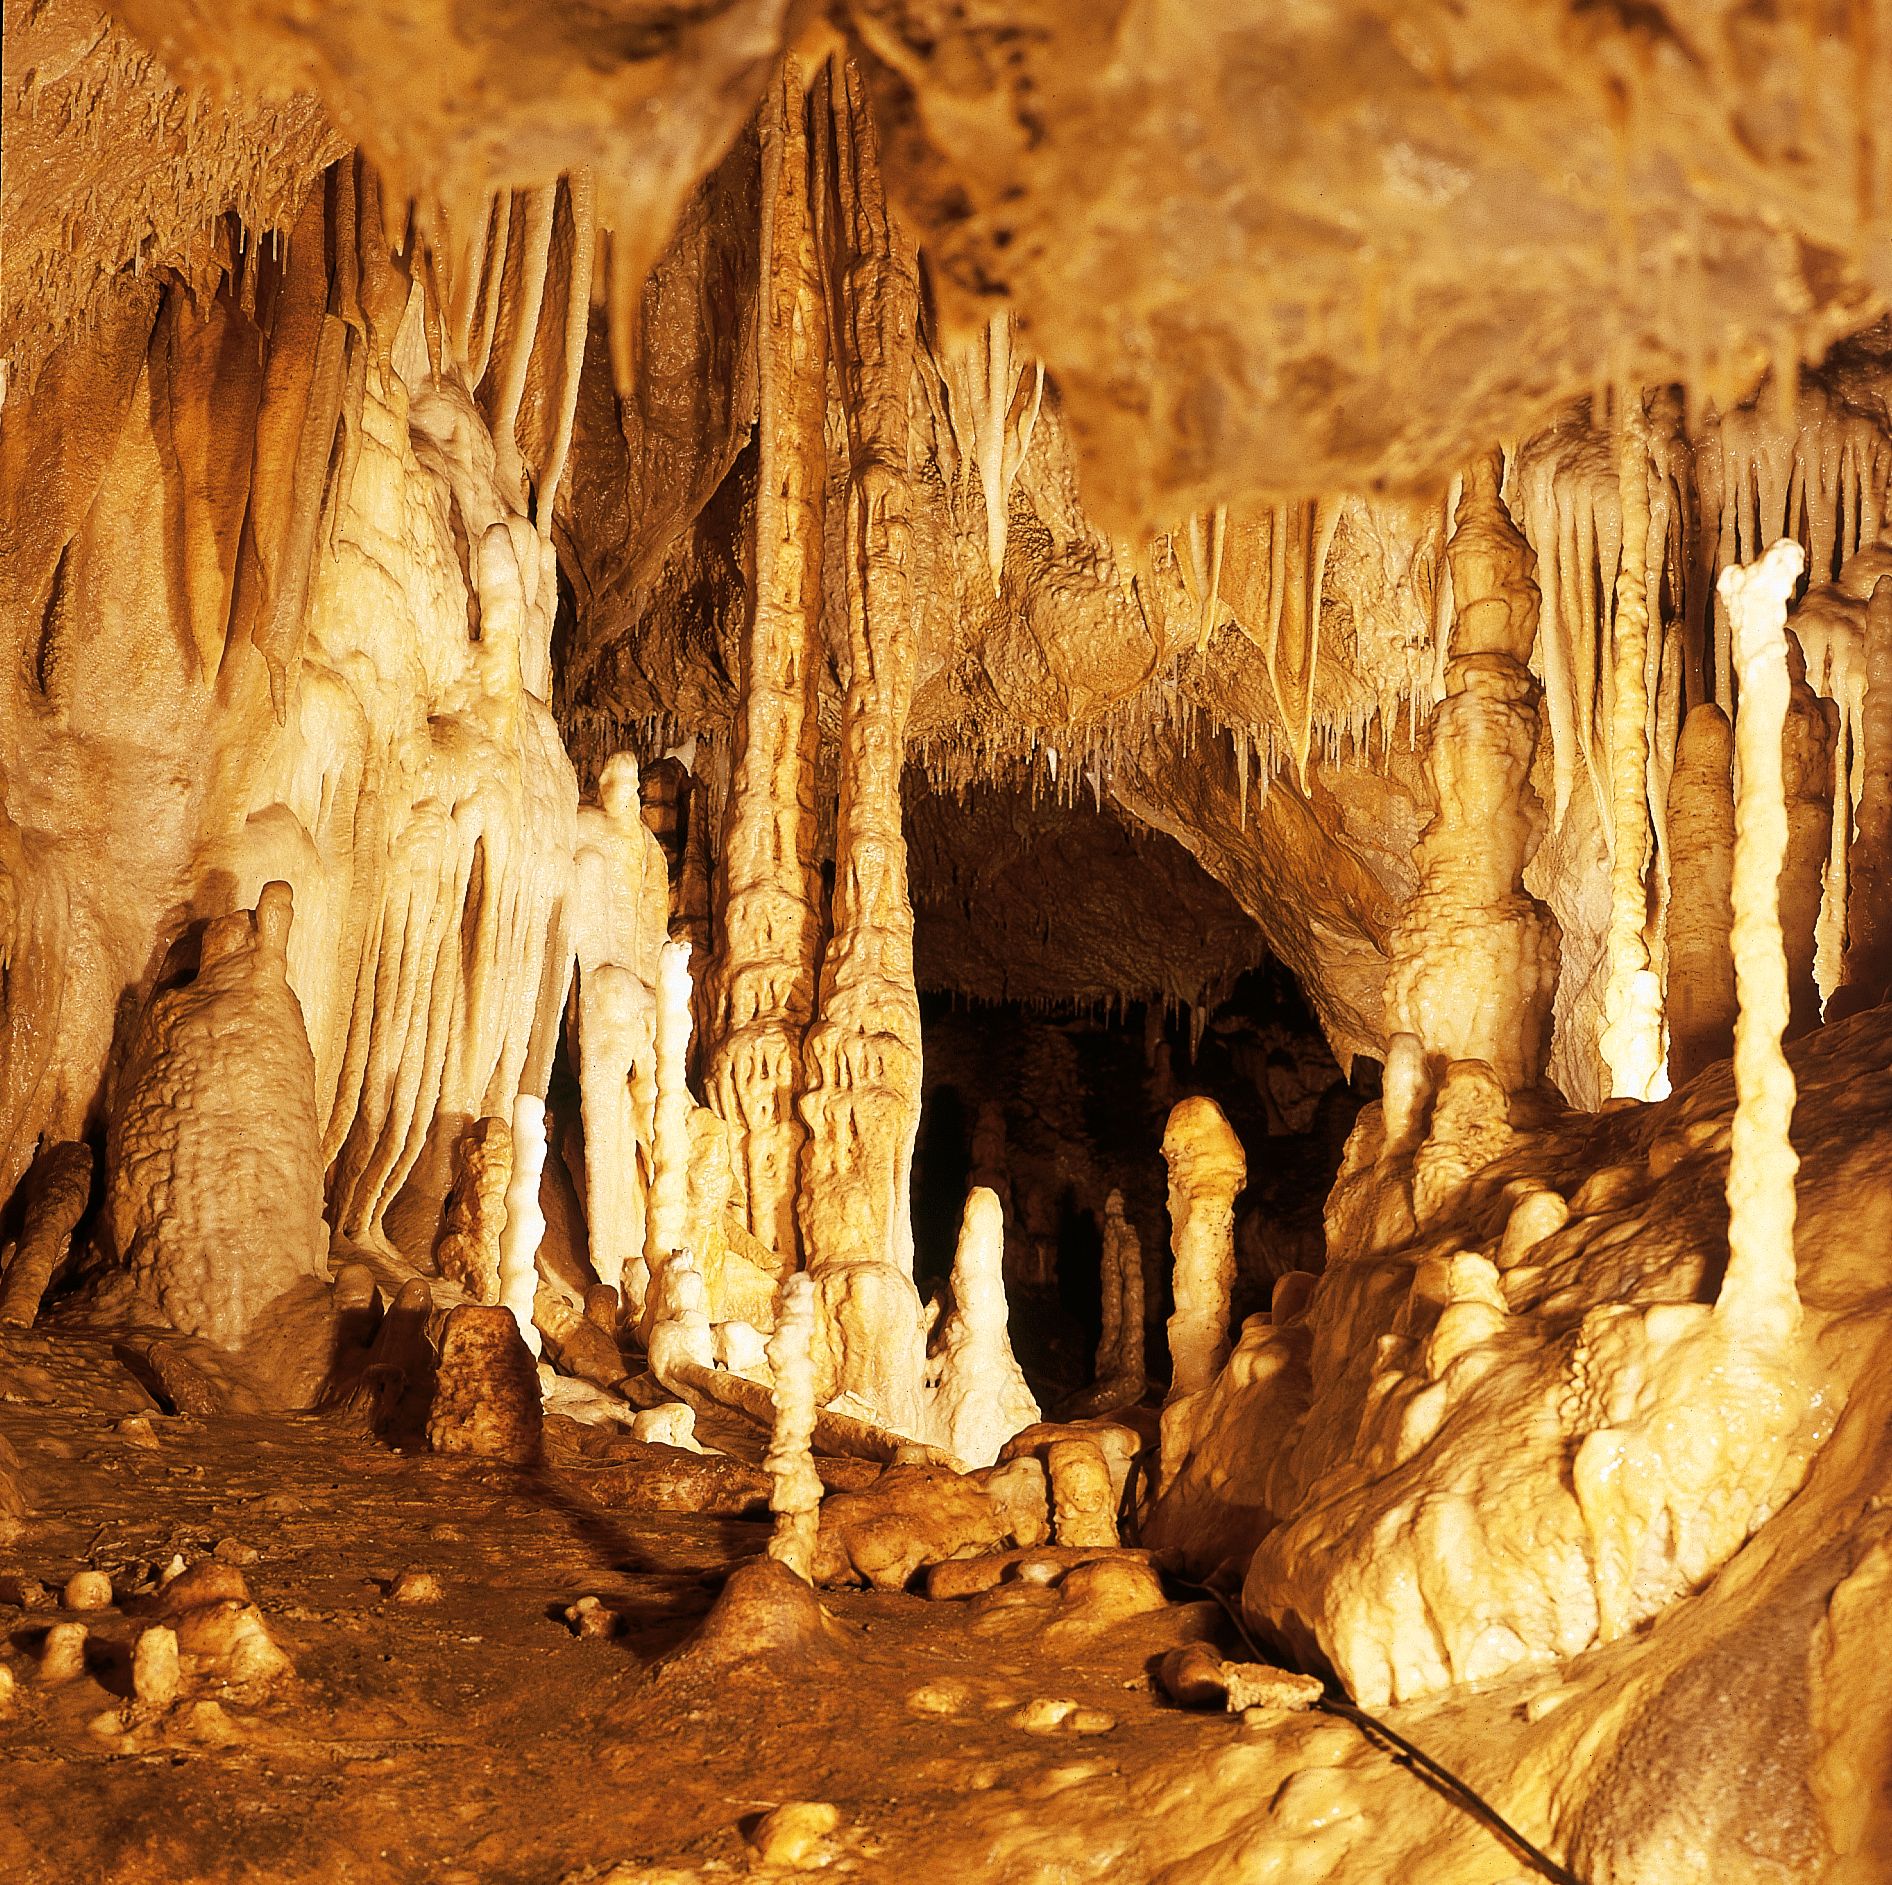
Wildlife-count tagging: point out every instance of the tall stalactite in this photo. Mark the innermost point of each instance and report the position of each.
(861, 1060)
(762, 983)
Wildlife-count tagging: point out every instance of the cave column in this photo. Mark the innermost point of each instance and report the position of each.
(1759, 1294)
(762, 983)
(1474, 956)
(1632, 1003)
(861, 1058)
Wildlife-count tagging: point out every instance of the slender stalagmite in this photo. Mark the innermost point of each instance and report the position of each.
(1808, 740)
(1474, 955)
(1206, 1169)
(1632, 1004)
(668, 1221)
(979, 1395)
(794, 1484)
(525, 1222)
(861, 1058)
(1700, 1000)
(1759, 1297)
(762, 985)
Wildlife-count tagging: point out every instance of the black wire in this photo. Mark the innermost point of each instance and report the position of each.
(1461, 1793)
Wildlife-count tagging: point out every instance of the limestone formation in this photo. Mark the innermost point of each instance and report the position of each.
(762, 985)
(58, 1185)
(1700, 993)
(486, 1388)
(861, 1056)
(213, 1167)
(518, 1277)
(1207, 1167)
(468, 1253)
(979, 1398)
(795, 1486)
(1759, 1296)
(621, 895)
(1473, 955)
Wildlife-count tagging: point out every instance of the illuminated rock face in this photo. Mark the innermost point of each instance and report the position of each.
(343, 535)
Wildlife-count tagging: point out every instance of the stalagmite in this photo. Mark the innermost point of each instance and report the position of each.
(622, 904)
(58, 1187)
(978, 1392)
(1700, 997)
(1120, 1345)
(1759, 1298)
(1632, 1034)
(1869, 950)
(795, 1486)
(861, 1057)
(668, 1224)
(762, 984)
(213, 1187)
(468, 1253)
(525, 1222)
(1809, 737)
(1473, 955)
(1206, 1169)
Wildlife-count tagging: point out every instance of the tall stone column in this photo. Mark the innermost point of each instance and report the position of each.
(762, 982)
(1474, 955)
(861, 1059)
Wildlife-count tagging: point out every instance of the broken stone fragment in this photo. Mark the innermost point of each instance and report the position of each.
(916, 1516)
(796, 1836)
(486, 1388)
(1194, 1676)
(414, 1587)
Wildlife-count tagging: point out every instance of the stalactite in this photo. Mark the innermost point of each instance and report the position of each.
(572, 351)
(1759, 1296)
(509, 469)
(1632, 1035)
(1700, 997)
(1869, 952)
(762, 985)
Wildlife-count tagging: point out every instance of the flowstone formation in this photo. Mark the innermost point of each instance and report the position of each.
(709, 713)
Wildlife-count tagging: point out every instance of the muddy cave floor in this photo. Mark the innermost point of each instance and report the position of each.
(477, 1737)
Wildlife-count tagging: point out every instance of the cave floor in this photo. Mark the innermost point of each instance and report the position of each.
(478, 1738)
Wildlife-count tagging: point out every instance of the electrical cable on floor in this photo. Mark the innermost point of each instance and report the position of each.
(1459, 1792)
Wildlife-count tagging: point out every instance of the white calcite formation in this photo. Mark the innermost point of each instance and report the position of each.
(525, 1222)
(794, 1484)
(667, 1221)
(468, 1252)
(1474, 956)
(1207, 1168)
(977, 1390)
(1700, 992)
(769, 931)
(621, 914)
(213, 1164)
